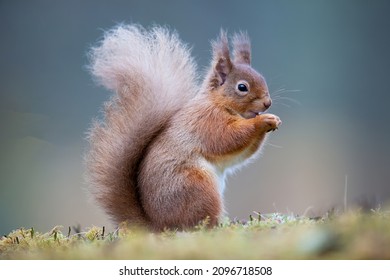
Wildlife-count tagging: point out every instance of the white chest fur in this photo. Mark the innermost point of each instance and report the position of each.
(220, 170)
(215, 171)
(227, 165)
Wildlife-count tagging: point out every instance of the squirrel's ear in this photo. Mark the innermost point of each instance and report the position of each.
(242, 48)
(222, 64)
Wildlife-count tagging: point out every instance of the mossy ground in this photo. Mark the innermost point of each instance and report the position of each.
(352, 235)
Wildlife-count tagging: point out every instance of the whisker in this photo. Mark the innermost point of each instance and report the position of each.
(284, 91)
(296, 102)
(275, 146)
(281, 103)
(278, 91)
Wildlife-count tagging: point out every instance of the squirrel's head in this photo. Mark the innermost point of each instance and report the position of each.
(233, 83)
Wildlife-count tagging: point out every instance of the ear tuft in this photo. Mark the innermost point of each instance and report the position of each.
(242, 48)
(221, 58)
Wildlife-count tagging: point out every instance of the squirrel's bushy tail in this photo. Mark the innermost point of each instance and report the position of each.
(152, 75)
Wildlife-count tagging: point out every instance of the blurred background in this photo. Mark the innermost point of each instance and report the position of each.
(329, 59)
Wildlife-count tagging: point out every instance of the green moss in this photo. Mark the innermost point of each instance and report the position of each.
(351, 235)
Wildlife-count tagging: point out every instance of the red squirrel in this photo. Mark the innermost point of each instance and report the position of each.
(160, 156)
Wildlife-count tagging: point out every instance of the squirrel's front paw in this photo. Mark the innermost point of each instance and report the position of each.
(270, 122)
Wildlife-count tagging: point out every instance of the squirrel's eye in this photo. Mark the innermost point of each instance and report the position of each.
(242, 88)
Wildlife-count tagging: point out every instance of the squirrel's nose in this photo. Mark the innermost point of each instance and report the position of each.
(267, 103)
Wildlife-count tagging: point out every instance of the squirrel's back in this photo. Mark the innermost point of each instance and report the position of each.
(152, 75)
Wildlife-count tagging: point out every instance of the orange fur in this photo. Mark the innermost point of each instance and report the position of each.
(160, 158)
